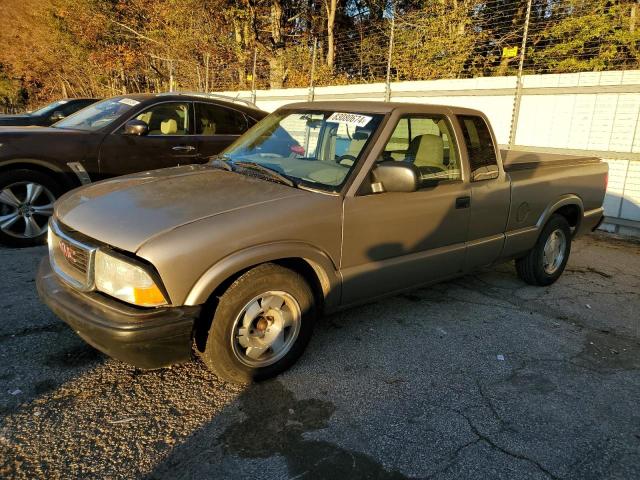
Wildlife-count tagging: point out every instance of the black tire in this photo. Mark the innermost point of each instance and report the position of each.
(531, 267)
(17, 177)
(219, 355)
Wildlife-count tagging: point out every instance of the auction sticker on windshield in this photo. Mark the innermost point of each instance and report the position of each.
(129, 101)
(354, 119)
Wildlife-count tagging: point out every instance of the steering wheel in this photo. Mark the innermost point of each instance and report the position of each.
(346, 160)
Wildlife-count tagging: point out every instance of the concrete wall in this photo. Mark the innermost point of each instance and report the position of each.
(592, 113)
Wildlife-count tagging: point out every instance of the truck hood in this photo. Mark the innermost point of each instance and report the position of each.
(128, 211)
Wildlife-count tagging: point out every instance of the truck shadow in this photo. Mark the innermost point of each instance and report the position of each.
(274, 424)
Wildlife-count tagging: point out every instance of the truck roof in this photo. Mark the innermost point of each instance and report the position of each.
(379, 107)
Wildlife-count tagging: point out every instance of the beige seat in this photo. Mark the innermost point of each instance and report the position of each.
(169, 127)
(208, 127)
(357, 143)
(145, 117)
(427, 151)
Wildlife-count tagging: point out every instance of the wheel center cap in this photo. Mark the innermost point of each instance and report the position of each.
(25, 210)
(262, 324)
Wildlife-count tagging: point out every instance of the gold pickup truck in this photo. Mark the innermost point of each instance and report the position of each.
(318, 207)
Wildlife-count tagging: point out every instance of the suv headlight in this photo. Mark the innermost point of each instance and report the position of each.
(126, 281)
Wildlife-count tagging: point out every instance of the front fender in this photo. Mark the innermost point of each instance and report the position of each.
(321, 263)
(64, 177)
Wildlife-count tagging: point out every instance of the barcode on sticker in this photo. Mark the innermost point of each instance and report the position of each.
(354, 119)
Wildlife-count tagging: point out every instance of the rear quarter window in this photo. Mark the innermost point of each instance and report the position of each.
(477, 137)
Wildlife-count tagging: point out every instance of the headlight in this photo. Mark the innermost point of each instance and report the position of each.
(126, 281)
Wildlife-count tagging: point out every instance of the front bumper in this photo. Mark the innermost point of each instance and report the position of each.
(145, 338)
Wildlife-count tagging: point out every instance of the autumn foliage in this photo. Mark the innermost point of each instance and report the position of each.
(65, 48)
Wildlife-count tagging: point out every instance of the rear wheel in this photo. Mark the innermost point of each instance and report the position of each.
(546, 261)
(261, 325)
(26, 203)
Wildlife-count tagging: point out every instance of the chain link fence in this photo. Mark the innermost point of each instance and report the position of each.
(447, 39)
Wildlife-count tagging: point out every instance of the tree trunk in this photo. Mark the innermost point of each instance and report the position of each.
(276, 70)
(240, 50)
(331, 6)
(276, 60)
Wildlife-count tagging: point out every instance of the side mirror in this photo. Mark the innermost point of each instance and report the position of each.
(392, 176)
(57, 116)
(136, 127)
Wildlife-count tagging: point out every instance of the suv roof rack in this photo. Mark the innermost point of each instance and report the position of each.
(215, 96)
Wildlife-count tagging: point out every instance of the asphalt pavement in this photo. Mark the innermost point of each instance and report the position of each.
(482, 377)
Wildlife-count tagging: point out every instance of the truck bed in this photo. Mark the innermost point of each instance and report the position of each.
(540, 178)
(514, 159)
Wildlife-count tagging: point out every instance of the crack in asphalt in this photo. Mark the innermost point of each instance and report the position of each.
(489, 441)
(589, 270)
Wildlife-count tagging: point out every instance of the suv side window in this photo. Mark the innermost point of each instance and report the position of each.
(214, 119)
(171, 118)
(482, 154)
(427, 142)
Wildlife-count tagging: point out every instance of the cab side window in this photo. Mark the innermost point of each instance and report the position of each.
(167, 119)
(482, 154)
(217, 120)
(427, 143)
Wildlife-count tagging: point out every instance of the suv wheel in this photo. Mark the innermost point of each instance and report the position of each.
(545, 262)
(26, 203)
(261, 326)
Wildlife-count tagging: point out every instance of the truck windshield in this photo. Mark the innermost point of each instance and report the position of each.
(318, 148)
(98, 115)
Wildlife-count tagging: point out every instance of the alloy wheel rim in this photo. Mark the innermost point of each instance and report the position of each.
(265, 329)
(554, 251)
(25, 208)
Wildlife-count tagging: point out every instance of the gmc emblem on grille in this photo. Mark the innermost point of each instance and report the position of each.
(67, 251)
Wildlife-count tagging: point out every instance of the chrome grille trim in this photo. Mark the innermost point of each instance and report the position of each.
(77, 272)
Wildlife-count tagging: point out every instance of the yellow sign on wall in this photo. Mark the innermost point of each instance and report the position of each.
(509, 52)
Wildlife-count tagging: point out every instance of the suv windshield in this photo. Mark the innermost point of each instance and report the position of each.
(50, 108)
(318, 148)
(98, 115)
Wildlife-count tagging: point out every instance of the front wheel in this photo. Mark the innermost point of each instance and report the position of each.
(546, 261)
(26, 203)
(261, 325)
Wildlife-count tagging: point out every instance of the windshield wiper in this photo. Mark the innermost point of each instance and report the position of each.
(268, 171)
(222, 162)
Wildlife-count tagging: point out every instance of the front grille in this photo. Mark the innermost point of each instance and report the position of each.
(74, 256)
(71, 259)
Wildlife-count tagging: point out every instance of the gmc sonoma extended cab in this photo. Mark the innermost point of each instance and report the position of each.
(318, 207)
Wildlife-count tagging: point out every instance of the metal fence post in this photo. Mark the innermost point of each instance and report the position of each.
(311, 94)
(253, 75)
(387, 87)
(518, 95)
(171, 75)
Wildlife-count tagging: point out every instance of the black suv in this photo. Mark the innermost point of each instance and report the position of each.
(117, 136)
(48, 115)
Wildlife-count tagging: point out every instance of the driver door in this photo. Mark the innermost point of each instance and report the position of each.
(170, 142)
(393, 241)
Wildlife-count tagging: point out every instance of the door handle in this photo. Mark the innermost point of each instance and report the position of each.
(183, 148)
(463, 202)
